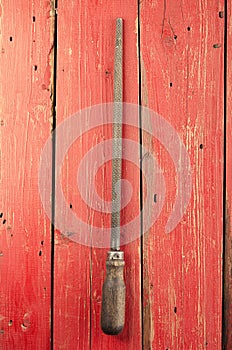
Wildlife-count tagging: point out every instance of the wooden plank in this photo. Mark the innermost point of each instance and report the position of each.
(26, 85)
(182, 80)
(227, 305)
(86, 40)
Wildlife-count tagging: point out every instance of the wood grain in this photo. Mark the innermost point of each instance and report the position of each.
(26, 30)
(182, 80)
(85, 66)
(182, 67)
(227, 321)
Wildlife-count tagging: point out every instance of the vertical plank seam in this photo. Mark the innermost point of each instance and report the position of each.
(54, 5)
(90, 293)
(225, 226)
(141, 175)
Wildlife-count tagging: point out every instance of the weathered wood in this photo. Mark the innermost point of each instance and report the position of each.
(227, 302)
(26, 35)
(182, 80)
(86, 40)
(71, 321)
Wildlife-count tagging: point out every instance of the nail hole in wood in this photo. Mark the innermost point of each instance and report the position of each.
(188, 29)
(70, 205)
(201, 146)
(68, 234)
(155, 198)
(216, 46)
(10, 323)
(175, 37)
(42, 242)
(35, 67)
(24, 326)
(170, 84)
(221, 14)
(11, 38)
(1, 215)
(33, 18)
(40, 252)
(4, 221)
(175, 309)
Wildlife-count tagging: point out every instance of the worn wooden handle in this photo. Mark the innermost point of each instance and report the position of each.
(113, 298)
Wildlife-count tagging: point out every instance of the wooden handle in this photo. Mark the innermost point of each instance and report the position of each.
(113, 298)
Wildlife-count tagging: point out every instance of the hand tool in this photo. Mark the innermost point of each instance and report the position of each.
(113, 292)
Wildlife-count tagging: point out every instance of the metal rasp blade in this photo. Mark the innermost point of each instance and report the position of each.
(117, 138)
(114, 290)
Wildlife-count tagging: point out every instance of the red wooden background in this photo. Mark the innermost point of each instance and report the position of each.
(86, 58)
(26, 36)
(227, 321)
(182, 72)
(59, 57)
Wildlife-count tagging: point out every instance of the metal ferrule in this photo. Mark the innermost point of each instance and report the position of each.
(115, 255)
